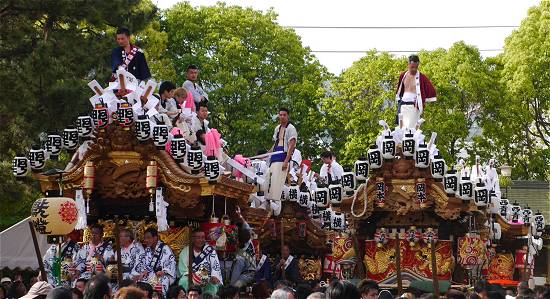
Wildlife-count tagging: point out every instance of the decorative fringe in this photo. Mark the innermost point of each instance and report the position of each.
(161, 205)
(82, 222)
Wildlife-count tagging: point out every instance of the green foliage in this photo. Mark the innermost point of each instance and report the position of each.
(250, 66)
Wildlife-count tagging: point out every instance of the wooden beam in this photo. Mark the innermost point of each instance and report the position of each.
(434, 270)
(38, 254)
(398, 264)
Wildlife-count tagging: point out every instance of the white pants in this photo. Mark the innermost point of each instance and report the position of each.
(276, 177)
(410, 116)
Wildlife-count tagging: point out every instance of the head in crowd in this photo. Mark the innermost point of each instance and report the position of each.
(261, 290)
(368, 289)
(151, 237)
(131, 293)
(126, 237)
(202, 111)
(228, 292)
(146, 287)
(176, 292)
(166, 90)
(180, 94)
(199, 239)
(303, 290)
(285, 251)
(385, 294)
(123, 37)
(495, 295)
(284, 293)
(98, 288)
(473, 296)
(316, 295)
(60, 293)
(210, 296)
(192, 73)
(481, 288)
(80, 284)
(6, 282)
(97, 234)
(194, 292)
(243, 236)
(327, 157)
(454, 294)
(281, 284)
(414, 61)
(284, 116)
(157, 295)
(17, 290)
(39, 290)
(77, 294)
(539, 291)
(201, 136)
(338, 289)
(128, 282)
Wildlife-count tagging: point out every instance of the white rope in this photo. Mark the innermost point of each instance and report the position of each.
(364, 206)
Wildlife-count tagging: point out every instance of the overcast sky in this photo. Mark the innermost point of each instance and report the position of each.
(361, 13)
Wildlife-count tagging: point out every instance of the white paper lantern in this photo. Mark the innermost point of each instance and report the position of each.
(515, 211)
(481, 195)
(53, 146)
(335, 194)
(54, 216)
(451, 182)
(85, 126)
(20, 166)
(143, 128)
(496, 231)
(314, 210)
(494, 202)
(466, 190)
(70, 138)
(375, 157)
(321, 197)
(212, 169)
(504, 210)
(388, 147)
(338, 221)
(160, 135)
(361, 169)
(100, 115)
(125, 115)
(178, 148)
(422, 156)
(304, 198)
(408, 145)
(537, 227)
(194, 159)
(438, 168)
(348, 182)
(37, 158)
(293, 192)
(326, 217)
(526, 215)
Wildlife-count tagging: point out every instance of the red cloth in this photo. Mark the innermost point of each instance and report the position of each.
(427, 90)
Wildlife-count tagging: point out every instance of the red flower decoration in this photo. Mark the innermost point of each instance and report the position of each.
(68, 212)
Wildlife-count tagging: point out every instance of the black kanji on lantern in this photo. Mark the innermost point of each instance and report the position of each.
(375, 158)
(304, 199)
(337, 223)
(438, 167)
(408, 145)
(422, 157)
(293, 194)
(421, 192)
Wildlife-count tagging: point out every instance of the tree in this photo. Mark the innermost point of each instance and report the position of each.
(49, 50)
(250, 66)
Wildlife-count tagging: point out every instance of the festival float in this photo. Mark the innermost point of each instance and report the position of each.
(395, 216)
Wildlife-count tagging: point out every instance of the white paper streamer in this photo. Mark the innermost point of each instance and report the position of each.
(81, 223)
(161, 205)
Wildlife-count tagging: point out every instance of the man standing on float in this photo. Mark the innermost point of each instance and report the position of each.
(130, 57)
(413, 91)
(284, 137)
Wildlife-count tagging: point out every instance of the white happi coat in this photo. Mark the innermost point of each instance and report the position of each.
(85, 255)
(161, 258)
(49, 259)
(130, 258)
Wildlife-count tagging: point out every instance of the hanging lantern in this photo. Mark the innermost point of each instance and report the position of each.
(143, 128)
(422, 156)
(20, 166)
(160, 135)
(284, 193)
(515, 212)
(335, 194)
(526, 215)
(408, 145)
(54, 215)
(412, 235)
(293, 192)
(451, 182)
(326, 217)
(88, 182)
(321, 196)
(496, 231)
(53, 146)
(194, 159)
(361, 169)
(348, 181)
(178, 148)
(466, 189)
(100, 115)
(301, 229)
(314, 210)
(439, 168)
(375, 157)
(381, 237)
(37, 158)
(338, 221)
(481, 195)
(212, 169)
(70, 138)
(428, 236)
(85, 126)
(494, 202)
(504, 210)
(421, 194)
(380, 191)
(151, 182)
(125, 114)
(537, 228)
(304, 198)
(388, 147)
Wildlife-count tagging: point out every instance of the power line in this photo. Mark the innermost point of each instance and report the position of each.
(389, 51)
(405, 27)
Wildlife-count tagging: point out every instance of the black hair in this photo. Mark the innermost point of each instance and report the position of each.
(166, 86)
(153, 231)
(126, 283)
(192, 67)
(227, 292)
(194, 288)
(481, 286)
(342, 290)
(202, 104)
(61, 293)
(199, 133)
(84, 280)
(243, 236)
(174, 291)
(98, 287)
(123, 30)
(145, 287)
(77, 292)
(365, 285)
(454, 294)
(96, 225)
(283, 109)
(327, 154)
(495, 295)
(414, 58)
